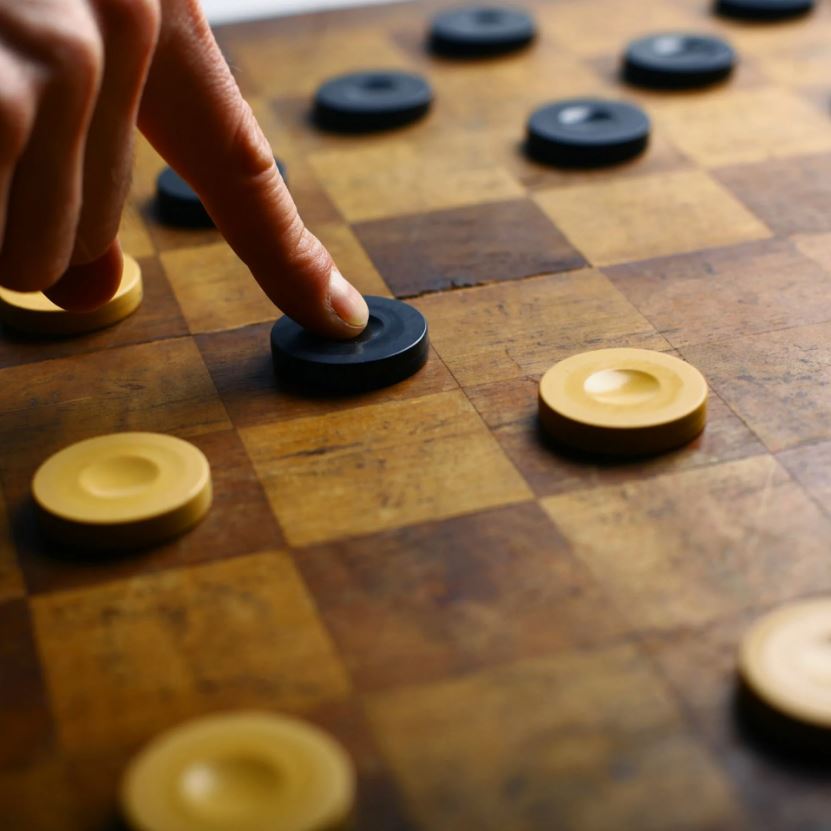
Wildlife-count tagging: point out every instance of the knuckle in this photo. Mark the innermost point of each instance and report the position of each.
(142, 19)
(76, 52)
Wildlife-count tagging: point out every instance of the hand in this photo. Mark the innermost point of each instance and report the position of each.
(77, 77)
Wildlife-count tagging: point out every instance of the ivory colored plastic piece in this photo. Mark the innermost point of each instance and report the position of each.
(35, 313)
(623, 402)
(240, 772)
(785, 658)
(123, 490)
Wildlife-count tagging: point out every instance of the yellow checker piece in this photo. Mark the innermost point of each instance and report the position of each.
(35, 313)
(785, 658)
(244, 771)
(623, 402)
(123, 490)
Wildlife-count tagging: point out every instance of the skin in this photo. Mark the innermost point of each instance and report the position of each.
(78, 76)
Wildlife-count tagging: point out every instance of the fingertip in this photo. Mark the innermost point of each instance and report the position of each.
(86, 287)
(349, 307)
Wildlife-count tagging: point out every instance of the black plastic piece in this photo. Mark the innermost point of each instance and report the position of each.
(367, 101)
(764, 9)
(587, 132)
(393, 347)
(178, 205)
(481, 31)
(675, 60)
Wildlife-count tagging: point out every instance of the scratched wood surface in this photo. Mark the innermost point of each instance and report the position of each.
(503, 636)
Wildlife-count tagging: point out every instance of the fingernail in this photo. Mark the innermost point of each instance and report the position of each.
(347, 302)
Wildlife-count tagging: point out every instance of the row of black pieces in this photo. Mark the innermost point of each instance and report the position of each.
(481, 31)
(567, 133)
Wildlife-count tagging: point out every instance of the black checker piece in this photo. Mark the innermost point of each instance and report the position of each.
(367, 101)
(675, 60)
(587, 132)
(764, 9)
(178, 205)
(393, 347)
(481, 31)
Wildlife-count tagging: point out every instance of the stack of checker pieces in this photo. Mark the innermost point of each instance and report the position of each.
(417, 562)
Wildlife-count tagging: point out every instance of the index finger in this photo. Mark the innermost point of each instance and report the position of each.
(194, 114)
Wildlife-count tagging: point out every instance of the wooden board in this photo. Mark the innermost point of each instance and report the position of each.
(504, 637)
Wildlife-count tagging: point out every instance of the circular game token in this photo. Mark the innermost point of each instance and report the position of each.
(785, 659)
(479, 31)
(393, 347)
(367, 101)
(587, 132)
(764, 9)
(623, 402)
(35, 313)
(240, 772)
(678, 61)
(123, 490)
(177, 203)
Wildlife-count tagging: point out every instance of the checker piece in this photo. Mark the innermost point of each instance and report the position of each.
(587, 132)
(623, 402)
(368, 101)
(764, 9)
(480, 31)
(35, 313)
(393, 346)
(122, 490)
(240, 772)
(785, 658)
(678, 61)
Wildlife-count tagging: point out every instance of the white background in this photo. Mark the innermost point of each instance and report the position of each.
(226, 11)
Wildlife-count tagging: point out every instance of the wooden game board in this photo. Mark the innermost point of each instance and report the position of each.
(504, 638)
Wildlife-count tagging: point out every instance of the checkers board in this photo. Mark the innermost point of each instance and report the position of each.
(504, 637)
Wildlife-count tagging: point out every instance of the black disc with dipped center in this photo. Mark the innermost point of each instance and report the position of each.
(367, 101)
(676, 60)
(177, 204)
(764, 9)
(587, 132)
(479, 31)
(393, 346)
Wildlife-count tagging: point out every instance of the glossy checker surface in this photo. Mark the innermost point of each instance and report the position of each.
(240, 772)
(785, 658)
(481, 31)
(372, 100)
(613, 391)
(124, 479)
(393, 346)
(587, 132)
(765, 9)
(678, 60)
(34, 312)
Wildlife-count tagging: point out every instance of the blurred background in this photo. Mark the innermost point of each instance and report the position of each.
(227, 11)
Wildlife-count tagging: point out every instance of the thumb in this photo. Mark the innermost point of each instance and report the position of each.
(194, 114)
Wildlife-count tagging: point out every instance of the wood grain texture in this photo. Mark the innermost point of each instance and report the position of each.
(563, 720)
(467, 246)
(179, 627)
(715, 543)
(790, 195)
(503, 635)
(455, 595)
(380, 466)
(650, 217)
(722, 294)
